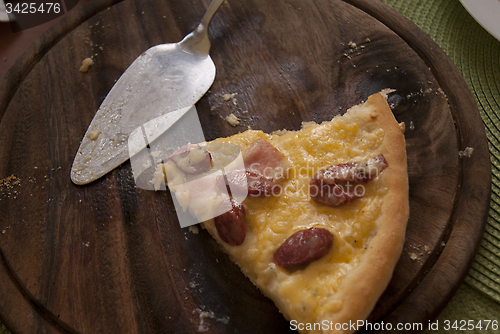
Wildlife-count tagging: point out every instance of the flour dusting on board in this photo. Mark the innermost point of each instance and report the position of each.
(203, 325)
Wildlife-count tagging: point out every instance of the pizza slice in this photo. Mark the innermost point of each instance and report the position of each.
(315, 218)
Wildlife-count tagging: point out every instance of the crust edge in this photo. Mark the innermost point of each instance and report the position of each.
(358, 293)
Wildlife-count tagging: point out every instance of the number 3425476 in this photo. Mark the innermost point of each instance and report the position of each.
(32, 7)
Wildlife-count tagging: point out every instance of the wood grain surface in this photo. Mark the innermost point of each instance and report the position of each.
(111, 258)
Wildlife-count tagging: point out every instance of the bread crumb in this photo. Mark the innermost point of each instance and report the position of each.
(86, 63)
(467, 153)
(367, 40)
(413, 256)
(227, 97)
(194, 229)
(10, 181)
(7, 186)
(352, 45)
(233, 120)
(94, 134)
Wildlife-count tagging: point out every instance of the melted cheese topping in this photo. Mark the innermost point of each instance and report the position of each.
(307, 293)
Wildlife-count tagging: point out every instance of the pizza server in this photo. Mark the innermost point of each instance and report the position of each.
(158, 88)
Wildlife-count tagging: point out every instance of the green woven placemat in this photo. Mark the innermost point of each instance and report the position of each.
(477, 56)
(471, 306)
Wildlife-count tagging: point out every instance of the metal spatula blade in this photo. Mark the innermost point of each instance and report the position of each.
(165, 78)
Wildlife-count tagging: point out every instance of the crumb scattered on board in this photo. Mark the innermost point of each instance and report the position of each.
(194, 229)
(416, 253)
(467, 153)
(230, 97)
(354, 48)
(204, 315)
(233, 120)
(10, 181)
(9, 185)
(227, 97)
(86, 63)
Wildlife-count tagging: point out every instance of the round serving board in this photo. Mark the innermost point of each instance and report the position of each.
(111, 258)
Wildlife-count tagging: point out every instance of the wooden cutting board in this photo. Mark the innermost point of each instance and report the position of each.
(111, 258)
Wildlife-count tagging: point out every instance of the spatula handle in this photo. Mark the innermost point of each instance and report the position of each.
(212, 8)
(197, 42)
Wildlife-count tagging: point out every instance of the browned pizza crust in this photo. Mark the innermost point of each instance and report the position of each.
(363, 286)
